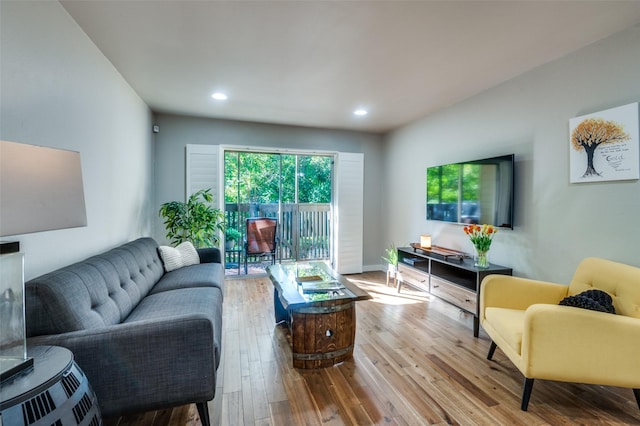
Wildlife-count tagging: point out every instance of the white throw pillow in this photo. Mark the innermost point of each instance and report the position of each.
(184, 254)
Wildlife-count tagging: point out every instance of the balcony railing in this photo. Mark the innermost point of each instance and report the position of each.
(304, 230)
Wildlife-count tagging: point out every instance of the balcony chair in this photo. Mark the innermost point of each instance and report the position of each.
(261, 239)
(545, 340)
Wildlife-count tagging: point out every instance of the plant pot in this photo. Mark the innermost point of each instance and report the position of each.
(391, 270)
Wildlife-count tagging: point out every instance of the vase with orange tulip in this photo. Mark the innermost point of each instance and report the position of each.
(481, 237)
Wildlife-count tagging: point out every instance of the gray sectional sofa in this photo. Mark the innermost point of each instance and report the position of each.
(146, 339)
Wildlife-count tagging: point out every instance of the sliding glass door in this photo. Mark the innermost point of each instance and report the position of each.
(296, 189)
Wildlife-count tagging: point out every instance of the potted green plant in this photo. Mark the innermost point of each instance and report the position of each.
(392, 262)
(196, 220)
(230, 237)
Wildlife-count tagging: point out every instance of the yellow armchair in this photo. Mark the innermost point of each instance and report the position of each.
(548, 341)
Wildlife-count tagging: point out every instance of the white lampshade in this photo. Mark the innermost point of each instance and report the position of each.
(40, 189)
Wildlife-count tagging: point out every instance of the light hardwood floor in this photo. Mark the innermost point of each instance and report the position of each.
(416, 362)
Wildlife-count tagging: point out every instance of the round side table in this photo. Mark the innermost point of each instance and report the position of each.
(54, 392)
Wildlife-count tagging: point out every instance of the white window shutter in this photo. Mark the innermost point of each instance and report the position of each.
(349, 211)
(202, 170)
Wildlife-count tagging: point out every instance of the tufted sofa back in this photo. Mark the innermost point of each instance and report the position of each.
(621, 281)
(96, 292)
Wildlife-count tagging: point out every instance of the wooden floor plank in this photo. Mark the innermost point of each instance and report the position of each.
(280, 413)
(258, 391)
(303, 406)
(415, 362)
(232, 371)
(343, 392)
(215, 407)
(247, 400)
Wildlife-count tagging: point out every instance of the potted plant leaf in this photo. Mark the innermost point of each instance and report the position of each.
(392, 262)
(196, 220)
(230, 237)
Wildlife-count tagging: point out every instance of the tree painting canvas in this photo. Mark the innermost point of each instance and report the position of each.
(604, 145)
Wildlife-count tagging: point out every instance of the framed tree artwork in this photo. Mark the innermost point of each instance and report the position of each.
(604, 145)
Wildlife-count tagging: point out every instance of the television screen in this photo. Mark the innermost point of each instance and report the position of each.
(479, 191)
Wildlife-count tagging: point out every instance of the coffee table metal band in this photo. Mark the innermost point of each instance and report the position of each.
(322, 309)
(327, 355)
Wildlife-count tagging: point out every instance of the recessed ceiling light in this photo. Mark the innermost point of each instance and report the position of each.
(360, 112)
(218, 96)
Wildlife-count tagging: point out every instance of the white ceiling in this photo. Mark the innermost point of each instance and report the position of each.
(312, 63)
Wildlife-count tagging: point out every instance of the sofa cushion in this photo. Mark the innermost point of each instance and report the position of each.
(138, 264)
(184, 254)
(60, 301)
(96, 292)
(509, 323)
(200, 275)
(182, 303)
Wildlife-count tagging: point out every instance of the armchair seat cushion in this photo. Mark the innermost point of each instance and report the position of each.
(508, 324)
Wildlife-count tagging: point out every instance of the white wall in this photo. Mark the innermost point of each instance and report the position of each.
(58, 90)
(557, 224)
(177, 131)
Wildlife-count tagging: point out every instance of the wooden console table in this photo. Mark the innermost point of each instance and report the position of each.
(454, 279)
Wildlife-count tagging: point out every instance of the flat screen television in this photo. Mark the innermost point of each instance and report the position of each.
(479, 191)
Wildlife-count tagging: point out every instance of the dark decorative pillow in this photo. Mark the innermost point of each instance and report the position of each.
(595, 300)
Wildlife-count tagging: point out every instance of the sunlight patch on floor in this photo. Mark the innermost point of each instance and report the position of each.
(389, 295)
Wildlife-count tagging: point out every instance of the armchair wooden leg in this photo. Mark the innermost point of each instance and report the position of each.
(203, 412)
(492, 349)
(636, 392)
(526, 393)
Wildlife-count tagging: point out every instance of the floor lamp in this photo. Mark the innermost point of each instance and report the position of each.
(40, 190)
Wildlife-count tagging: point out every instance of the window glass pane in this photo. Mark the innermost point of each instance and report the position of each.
(288, 179)
(314, 179)
(259, 178)
(230, 177)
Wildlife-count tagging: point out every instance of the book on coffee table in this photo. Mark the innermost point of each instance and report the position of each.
(320, 286)
(301, 280)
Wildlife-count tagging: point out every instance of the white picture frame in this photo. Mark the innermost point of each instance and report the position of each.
(604, 146)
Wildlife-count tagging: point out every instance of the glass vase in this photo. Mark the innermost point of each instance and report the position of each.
(482, 259)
